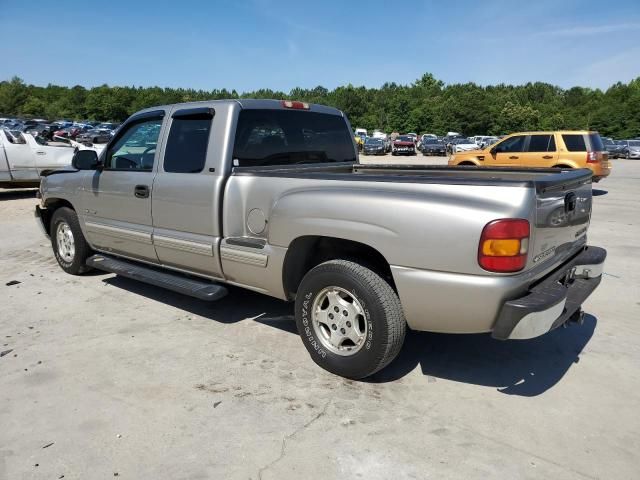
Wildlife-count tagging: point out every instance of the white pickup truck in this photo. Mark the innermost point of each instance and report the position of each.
(23, 159)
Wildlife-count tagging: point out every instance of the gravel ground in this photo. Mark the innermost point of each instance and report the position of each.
(102, 376)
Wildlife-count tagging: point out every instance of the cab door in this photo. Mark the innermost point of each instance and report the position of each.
(187, 193)
(117, 198)
(540, 151)
(508, 152)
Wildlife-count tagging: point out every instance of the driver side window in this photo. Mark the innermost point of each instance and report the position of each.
(135, 149)
(513, 144)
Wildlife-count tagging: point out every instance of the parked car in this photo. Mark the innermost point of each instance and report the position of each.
(385, 138)
(403, 145)
(374, 146)
(488, 141)
(618, 149)
(632, 150)
(41, 130)
(562, 149)
(433, 146)
(463, 145)
(23, 159)
(424, 137)
(107, 126)
(365, 251)
(94, 136)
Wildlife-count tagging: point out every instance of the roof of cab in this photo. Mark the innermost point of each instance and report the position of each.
(245, 103)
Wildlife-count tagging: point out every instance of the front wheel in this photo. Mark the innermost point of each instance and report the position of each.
(69, 245)
(349, 318)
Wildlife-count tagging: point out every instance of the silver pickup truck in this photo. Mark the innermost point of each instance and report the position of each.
(269, 195)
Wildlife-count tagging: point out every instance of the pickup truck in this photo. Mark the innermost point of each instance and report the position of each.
(269, 195)
(23, 159)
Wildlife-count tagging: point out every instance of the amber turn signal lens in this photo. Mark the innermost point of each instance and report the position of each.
(501, 247)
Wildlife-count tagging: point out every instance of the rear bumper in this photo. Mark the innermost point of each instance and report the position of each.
(553, 300)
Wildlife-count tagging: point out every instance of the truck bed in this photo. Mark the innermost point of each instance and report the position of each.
(542, 179)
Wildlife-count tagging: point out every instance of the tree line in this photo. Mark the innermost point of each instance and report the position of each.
(426, 105)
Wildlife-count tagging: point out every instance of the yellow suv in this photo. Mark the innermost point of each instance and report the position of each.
(563, 149)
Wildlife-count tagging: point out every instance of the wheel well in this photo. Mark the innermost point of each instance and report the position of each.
(562, 165)
(304, 253)
(471, 164)
(51, 205)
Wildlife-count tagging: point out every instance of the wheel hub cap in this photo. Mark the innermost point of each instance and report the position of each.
(65, 241)
(339, 321)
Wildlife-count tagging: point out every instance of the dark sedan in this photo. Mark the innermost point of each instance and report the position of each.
(432, 146)
(374, 146)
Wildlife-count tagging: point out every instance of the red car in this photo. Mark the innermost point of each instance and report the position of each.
(403, 145)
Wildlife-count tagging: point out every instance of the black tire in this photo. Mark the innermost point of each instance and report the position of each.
(627, 156)
(386, 325)
(76, 265)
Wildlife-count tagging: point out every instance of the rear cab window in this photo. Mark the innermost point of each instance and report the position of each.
(267, 137)
(186, 150)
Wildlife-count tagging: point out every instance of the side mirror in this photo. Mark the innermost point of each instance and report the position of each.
(494, 150)
(85, 160)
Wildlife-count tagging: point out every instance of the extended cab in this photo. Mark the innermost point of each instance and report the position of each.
(565, 149)
(269, 196)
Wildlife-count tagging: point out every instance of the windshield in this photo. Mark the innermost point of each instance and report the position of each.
(404, 138)
(431, 141)
(373, 141)
(634, 143)
(287, 137)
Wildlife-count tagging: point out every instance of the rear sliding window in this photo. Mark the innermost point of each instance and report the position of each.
(288, 137)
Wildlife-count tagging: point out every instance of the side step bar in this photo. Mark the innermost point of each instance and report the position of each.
(202, 289)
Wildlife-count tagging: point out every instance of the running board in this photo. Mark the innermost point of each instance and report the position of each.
(202, 289)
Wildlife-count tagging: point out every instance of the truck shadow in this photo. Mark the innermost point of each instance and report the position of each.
(17, 194)
(519, 367)
(598, 193)
(240, 304)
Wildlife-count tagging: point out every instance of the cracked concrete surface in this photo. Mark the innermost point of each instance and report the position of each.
(124, 378)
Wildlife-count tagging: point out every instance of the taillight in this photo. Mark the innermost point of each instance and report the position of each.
(592, 157)
(295, 105)
(504, 244)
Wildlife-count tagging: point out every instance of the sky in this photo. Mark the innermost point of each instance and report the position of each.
(251, 44)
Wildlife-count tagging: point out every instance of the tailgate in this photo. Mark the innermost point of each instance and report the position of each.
(563, 212)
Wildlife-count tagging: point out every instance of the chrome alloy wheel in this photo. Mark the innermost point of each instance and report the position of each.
(65, 241)
(339, 321)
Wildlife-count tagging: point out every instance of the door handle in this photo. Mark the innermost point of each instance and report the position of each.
(40, 152)
(547, 157)
(141, 191)
(513, 157)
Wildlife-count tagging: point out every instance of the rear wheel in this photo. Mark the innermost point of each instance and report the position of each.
(349, 318)
(69, 245)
